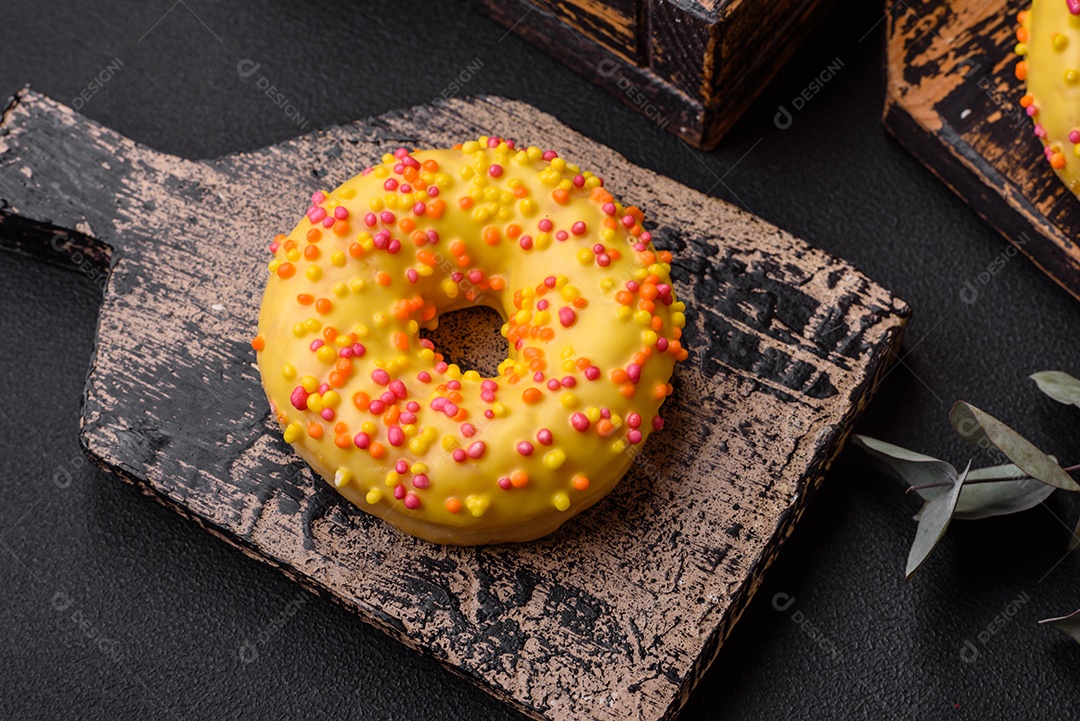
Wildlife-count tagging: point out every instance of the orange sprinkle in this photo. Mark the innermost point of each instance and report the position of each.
(356, 250)
(497, 282)
(342, 441)
(491, 235)
(361, 400)
(1022, 34)
(390, 417)
(657, 323)
(314, 235)
(457, 246)
(426, 257)
(465, 202)
(290, 245)
(377, 450)
(431, 166)
(659, 390)
(330, 333)
(323, 305)
(453, 505)
(664, 256)
(435, 209)
(258, 343)
(579, 302)
(418, 238)
(1027, 100)
(407, 225)
(531, 395)
(340, 227)
(410, 174)
(580, 482)
(623, 297)
(383, 278)
(583, 363)
(547, 334)
(337, 379)
(1021, 70)
(344, 366)
(305, 299)
(513, 231)
(341, 427)
(315, 431)
(1057, 161)
(519, 478)
(311, 252)
(286, 270)
(562, 197)
(618, 375)
(605, 427)
(627, 390)
(521, 192)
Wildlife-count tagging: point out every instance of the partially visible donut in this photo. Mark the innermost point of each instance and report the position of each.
(1048, 41)
(592, 323)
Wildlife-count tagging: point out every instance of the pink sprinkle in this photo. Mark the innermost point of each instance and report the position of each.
(525, 448)
(476, 450)
(578, 228)
(633, 420)
(579, 181)
(493, 142)
(487, 396)
(592, 373)
(609, 209)
(476, 276)
(421, 481)
(398, 389)
(341, 212)
(419, 208)
(390, 184)
(345, 352)
(632, 286)
(545, 225)
(423, 377)
(395, 435)
(454, 385)
(580, 422)
(605, 413)
(399, 492)
(633, 372)
(328, 221)
(489, 414)
(438, 403)
(441, 367)
(1074, 6)
(569, 382)
(553, 384)
(316, 344)
(327, 414)
(323, 387)
(468, 430)
(274, 247)
(412, 406)
(459, 455)
(450, 409)
(645, 237)
(412, 501)
(388, 398)
(598, 249)
(495, 170)
(538, 377)
(505, 484)
(410, 161)
(362, 440)
(316, 214)
(542, 305)
(370, 220)
(318, 197)
(402, 466)
(376, 407)
(567, 316)
(358, 350)
(387, 217)
(432, 237)
(433, 191)
(401, 153)
(544, 436)
(299, 398)
(393, 247)
(1031, 111)
(549, 155)
(562, 235)
(399, 168)
(412, 275)
(603, 260)
(525, 242)
(657, 423)
(634, 436)
(380, 376)
(628, 221)
(1074, 137)
(489, 385)
(662, 345)
(405, 188)
(407, 417)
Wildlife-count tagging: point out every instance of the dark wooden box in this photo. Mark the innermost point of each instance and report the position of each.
(690, 66)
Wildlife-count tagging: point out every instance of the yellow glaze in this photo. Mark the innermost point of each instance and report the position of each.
(592, 325)
(1048, 39)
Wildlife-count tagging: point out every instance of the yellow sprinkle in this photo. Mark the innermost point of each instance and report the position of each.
(542, 241)
(429, 434)
(340, 289)
(678, 319)
(607, 285)
(418, 447)
(310, 383)
(293, 255)
(288, 371)
(314, 402)
(380, 320)
(593, 414)
(470, 147)
(1072, 76)
(624, 312)
(369, 427)
(373, 496)
(562, 501)
(585, 256)
(393, 479)
(338, 258)
(569, 400)
(477, 505)
(313, 325)
(619, 446)
(293, 432)
(1059, 41)
(299, 330)
(342, 477)
(326, 354)
(499, 410)
(331, 399)
(449, 443)
(554, 459)
(449, 287)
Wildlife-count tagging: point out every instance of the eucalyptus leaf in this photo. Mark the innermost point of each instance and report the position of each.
(933, 521)
(1060, 386)
(984, 500)
(915, 468)
(982, 429)
(1068, 625)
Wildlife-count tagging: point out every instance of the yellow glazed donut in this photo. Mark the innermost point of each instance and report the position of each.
(591, 321)
(1048, 39)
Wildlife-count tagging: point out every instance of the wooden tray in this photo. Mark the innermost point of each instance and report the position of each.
(953, 100)
(618, 614)
(692, 67)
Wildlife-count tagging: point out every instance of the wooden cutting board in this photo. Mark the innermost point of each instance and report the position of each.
(953, 100)
(615, 616)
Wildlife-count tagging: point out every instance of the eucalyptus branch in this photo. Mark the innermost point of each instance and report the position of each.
(977, 481)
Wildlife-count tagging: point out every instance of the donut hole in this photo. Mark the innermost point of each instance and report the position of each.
(470, 338)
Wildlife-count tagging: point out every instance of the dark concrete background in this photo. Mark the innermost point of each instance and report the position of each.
(113, 607)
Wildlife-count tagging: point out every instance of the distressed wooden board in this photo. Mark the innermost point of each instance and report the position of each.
(953, 100)
(690, 66)
(615, 616)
